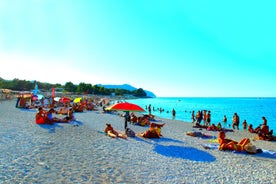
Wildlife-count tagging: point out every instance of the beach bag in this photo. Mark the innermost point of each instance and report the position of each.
(130, 133)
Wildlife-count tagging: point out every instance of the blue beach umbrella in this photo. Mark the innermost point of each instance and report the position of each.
(36, 90)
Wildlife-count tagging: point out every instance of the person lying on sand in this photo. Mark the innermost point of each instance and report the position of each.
(109, 130)
(46, 117)
(228, 144)
(213, 127)
(142, 121)
(199, 134)
(50, 116)
(70, 116)
(63, 110)
(265, 137)
(153, 132)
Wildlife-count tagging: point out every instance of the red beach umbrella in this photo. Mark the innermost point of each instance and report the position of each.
(64, 100)
(125, 106)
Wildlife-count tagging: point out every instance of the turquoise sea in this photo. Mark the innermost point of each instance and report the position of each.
(251, 109)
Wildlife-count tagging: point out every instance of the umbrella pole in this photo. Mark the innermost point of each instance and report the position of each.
(125, 122)
(126, 119)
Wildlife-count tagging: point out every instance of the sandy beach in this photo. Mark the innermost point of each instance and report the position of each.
(80, 152)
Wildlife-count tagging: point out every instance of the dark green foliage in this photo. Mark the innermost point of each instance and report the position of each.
(139, 93)
(23, 85)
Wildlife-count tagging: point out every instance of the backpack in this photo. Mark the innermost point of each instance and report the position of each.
(130, 133)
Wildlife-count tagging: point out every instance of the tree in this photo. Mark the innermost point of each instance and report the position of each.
(23, 85)
(83, 87)
(139, 93)
(69, 86)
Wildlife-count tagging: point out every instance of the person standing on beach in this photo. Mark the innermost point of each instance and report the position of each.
(198, 117)
(126, 119)
(235, 121)
(204, 117)
(193, 116)
(208, 118)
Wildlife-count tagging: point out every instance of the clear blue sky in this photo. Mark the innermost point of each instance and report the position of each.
(170, 47)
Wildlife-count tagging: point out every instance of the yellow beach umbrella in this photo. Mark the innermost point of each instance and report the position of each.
(77, 100)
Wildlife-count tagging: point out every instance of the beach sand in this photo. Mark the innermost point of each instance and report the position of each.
(67, 153)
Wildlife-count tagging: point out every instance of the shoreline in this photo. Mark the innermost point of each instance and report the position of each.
(64, 153)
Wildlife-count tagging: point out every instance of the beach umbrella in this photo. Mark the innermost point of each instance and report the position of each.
(65, 100)
(39, 96)
(125, 106)
(57, 99)
(36, 90)
(77, 100)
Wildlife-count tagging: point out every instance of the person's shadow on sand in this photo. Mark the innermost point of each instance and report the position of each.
(51, 128)
(188, 153)
(166, 139)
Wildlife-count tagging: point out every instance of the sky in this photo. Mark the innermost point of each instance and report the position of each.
(173, 48)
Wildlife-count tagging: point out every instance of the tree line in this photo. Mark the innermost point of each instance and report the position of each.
(81, 88)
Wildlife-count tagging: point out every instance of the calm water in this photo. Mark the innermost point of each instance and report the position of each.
(251, 109)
